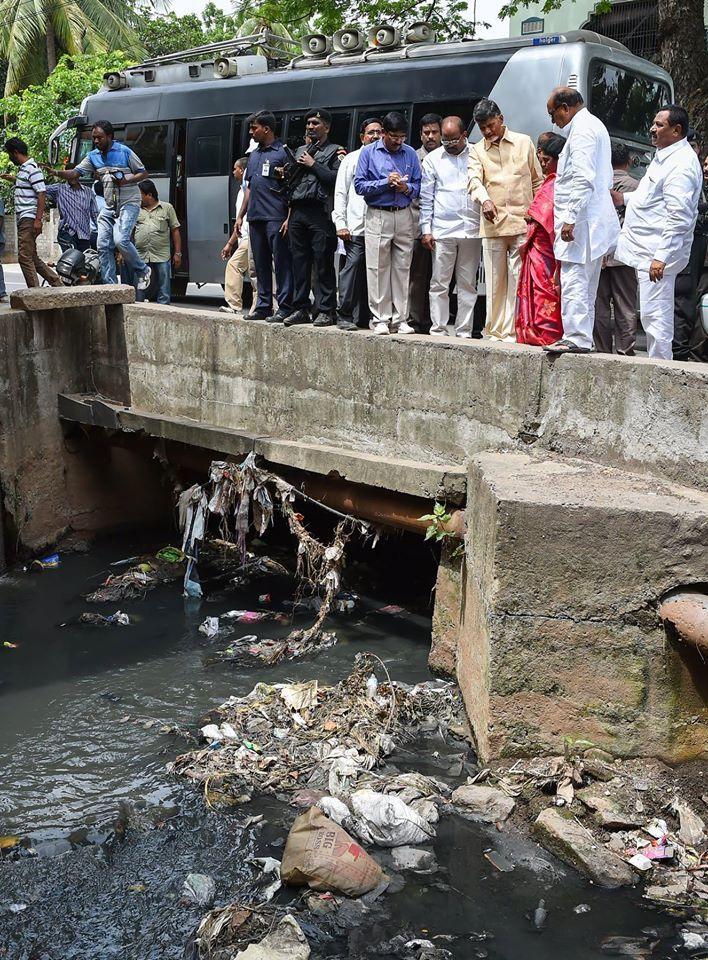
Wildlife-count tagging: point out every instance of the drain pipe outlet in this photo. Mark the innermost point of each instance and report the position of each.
(687, 612)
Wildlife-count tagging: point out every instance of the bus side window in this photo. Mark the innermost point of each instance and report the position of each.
(150, 141)
(208, 147)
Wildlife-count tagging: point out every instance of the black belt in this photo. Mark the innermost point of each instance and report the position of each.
(373, 206)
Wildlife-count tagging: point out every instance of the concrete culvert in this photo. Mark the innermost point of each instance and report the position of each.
(687, 612)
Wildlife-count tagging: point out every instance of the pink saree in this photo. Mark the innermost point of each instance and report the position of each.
(538, 314)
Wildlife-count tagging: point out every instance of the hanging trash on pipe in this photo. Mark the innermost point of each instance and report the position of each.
(244, 498)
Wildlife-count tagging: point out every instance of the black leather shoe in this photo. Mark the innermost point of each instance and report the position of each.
(278, 317)
(346, 325)
(260, 316)
(324, 320)
(300, 316)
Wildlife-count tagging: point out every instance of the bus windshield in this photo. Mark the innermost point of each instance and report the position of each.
(626, 102)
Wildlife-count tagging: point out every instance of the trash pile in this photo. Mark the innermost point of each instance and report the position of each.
(146, 574)
(117, 619)
(247, 649)
(617, 822)
(281, 738)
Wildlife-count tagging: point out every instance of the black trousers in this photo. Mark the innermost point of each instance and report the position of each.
(686, 299)
(271, 251)
(419, 288)
(353, 294)
(313, 241)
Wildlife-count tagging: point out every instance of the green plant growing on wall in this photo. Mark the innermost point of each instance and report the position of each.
(438, 527)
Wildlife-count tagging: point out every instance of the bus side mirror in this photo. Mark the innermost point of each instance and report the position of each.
(54, 152)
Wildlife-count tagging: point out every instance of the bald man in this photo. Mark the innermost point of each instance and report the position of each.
(586, 224)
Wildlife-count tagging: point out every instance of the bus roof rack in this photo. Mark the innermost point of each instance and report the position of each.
(274, 47)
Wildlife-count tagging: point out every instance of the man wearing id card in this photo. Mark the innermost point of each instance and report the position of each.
(266, 203)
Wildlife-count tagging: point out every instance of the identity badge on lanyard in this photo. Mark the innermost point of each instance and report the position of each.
(265, 169)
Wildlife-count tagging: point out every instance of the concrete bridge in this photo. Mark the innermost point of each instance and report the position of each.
(583, 481)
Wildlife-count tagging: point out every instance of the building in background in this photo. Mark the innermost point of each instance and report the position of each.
(633, 23)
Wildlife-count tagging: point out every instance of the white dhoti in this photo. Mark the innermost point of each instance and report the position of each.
(578, 282)
(388, 240)
(656, 311)
(459, 256)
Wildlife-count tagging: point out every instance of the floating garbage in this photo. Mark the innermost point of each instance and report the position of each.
(117, 619)
(9, 645)
(210, 627)
(249, 649)
(50, 562)
(199, 888)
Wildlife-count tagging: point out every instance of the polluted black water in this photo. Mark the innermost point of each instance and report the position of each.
(108, 835)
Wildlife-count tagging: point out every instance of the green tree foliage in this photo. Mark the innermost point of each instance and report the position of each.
(161, 35)
(447, 17)
(40, 108)
(35, 33)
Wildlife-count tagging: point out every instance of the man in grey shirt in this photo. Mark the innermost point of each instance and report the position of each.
(120, 171)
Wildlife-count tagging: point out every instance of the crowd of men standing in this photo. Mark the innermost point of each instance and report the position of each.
(566, 235)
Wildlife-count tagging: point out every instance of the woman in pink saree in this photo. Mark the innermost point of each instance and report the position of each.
(538, 313)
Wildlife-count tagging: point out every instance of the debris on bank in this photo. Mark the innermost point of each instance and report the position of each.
(282, 738)
(619, 822)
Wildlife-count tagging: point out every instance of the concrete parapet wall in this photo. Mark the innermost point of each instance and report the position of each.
(418, 398)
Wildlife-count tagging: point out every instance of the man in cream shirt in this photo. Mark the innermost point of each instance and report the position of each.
(449, 223)
(586, 223)
(504, 175)
(658, 226)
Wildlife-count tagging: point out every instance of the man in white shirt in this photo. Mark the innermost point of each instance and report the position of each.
(586, 223)
(658, 226)
(236, 250)
(348, 216)
(449, 223)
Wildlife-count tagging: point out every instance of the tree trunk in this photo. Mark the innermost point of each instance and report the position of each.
(51, 47)
(682, 47)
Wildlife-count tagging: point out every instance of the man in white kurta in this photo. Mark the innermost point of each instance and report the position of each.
(449, 224)
(658, 227)
(585, 221)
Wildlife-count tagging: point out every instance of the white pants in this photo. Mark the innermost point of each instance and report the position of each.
(461, 257)
(656, 311)
(502, 265)
(388, 239)
(579, 283)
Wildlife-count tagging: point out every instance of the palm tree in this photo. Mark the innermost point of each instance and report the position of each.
(35, 33)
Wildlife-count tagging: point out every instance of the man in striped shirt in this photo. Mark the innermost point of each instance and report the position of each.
(29, 210)
(77, 211)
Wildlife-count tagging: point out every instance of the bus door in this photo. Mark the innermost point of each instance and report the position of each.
(208, 172)
(238, 149)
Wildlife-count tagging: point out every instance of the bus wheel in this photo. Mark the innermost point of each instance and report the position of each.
(179, 286)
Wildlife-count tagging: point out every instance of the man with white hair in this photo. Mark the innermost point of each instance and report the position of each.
(585, 221)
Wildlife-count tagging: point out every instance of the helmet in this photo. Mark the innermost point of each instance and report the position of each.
(75, 267)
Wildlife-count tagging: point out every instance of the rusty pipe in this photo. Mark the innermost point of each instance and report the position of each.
(687, 612)
(402, 511)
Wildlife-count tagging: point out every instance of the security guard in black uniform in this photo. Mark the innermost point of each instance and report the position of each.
(310, 229)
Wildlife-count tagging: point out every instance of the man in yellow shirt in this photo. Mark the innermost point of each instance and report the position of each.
(504, 175)
(156, 223)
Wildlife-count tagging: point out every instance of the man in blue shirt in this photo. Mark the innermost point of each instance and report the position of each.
(388, 178)
(121, 171)
(266, 203)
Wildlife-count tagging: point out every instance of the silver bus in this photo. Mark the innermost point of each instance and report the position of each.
(185, 114)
